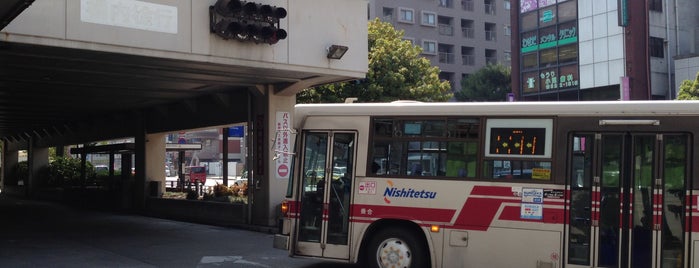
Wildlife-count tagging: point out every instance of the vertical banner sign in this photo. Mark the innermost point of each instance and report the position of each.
(283, 145)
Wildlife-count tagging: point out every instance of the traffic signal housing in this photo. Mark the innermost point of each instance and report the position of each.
(247, 21)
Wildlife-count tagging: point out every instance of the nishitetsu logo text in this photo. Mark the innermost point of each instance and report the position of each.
(395, 192)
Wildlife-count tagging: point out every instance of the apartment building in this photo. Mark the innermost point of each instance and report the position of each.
(602, 50)
(458, 36)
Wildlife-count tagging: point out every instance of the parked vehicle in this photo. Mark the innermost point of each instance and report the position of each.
(195, 174)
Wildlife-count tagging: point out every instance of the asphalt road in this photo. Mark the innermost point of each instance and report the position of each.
(45, 234)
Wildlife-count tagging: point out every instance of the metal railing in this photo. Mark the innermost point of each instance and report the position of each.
(469, 60)
(490, 36)
(467, 32)
(467, 5)
(490, 9)
(446, 57)
(445, 29)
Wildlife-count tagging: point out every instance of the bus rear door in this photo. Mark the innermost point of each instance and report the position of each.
(627, 199)
(324, 198)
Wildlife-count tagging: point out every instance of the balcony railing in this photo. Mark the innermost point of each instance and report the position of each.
(469, 60)
(491, 60)
(490, 9)
(467, 5)
(467, 32)
(445, 29)
(490, 36)
(445, 3)
(445, 57)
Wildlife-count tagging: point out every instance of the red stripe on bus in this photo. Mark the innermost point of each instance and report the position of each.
(411, 213)
(492, 191)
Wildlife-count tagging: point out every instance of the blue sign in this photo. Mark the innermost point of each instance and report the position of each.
(236, 131)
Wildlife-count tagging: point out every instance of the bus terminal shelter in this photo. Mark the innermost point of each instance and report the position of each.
(80, 71)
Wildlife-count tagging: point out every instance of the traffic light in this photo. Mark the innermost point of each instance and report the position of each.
(247, 21)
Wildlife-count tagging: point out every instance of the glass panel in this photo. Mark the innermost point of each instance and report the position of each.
(517, 169)
(675, 175)
(426, 158)
(547, 16)
(315, 152)
(567, 54)
(395, 165)
(530, 82)
(568, 76)
(340, 189)
(548, 57)
(529, 21)
(642, 206)
(383, 128)
(530, 61)
(461, 159)
(609, 227)
(567, 11)
(579, 232)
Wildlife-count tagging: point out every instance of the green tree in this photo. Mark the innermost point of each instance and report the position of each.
(490, 83)
(396, 72)
(689, 90)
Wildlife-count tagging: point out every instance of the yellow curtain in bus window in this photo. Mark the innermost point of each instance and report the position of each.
(541, 174)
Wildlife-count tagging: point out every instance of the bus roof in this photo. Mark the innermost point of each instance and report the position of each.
(563, 108)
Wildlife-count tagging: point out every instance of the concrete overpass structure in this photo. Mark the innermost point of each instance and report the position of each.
(78, 71)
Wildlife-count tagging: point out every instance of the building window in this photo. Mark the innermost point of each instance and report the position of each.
(447, 76)
(507, 4)
(656, 47)
(467, 5)
(490, 32)
(508, 30)
(387, 14)
(489, 7)
(491, 56)
(567, 54)
(446, 53)
(529, 61)
(446, 3)
(567, 11)
(507, 57)
(445, 25)
(656, 5)
(409, 39)
(467, 28)
(547, 57)
(468, 56)
(429, 18)
(406, 15)
(429, 47)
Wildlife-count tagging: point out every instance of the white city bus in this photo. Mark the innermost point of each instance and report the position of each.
(540, 184)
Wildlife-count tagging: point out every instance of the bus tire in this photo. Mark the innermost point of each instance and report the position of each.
(396, 247)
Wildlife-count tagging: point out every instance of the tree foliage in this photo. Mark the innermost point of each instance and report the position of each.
(490, 83)
(66, 170)
(689, 90)
(396, 72)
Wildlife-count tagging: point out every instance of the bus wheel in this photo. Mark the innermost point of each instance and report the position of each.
(396, 247)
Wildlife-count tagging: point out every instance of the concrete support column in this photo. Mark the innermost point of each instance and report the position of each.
(269, 190)
(224, 155)
(10, 159)
(37, 158)
(139, 188)
(155, 161)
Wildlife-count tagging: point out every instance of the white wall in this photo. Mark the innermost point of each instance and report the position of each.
(601, 44)
(686, 69)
